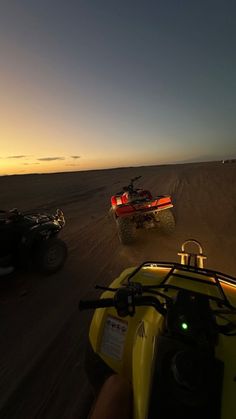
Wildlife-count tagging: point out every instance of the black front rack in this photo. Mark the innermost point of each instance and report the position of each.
(174, 266)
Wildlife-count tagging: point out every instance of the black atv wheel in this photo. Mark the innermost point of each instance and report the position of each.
(50, 256)
(126, 230)
(166, 221)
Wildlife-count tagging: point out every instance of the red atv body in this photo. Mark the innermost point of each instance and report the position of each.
(137, 208)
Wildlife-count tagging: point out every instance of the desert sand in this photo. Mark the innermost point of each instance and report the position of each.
(42, 333)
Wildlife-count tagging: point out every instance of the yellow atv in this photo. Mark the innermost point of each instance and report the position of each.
(170, 329)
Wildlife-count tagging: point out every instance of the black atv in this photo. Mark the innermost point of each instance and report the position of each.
(31, 240)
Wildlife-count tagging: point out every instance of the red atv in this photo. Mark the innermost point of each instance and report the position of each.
(135, 208)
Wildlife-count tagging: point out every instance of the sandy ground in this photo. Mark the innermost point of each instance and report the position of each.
(42, 333)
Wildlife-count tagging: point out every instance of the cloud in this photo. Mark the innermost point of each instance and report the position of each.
(51, 158)
(75, 157)
(16, 157)
(30, 164)
(72, 164)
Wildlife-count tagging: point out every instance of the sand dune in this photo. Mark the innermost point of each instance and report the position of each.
(43, 334)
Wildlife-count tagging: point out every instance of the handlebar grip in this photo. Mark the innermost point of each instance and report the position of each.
(92, 304)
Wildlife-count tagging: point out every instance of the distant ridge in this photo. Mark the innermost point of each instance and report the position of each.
(125, 167)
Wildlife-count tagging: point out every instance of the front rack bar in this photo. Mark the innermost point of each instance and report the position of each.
(217, 276)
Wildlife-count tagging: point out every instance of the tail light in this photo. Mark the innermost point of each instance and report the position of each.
(125, 198)
(113, 201)
(117, 200)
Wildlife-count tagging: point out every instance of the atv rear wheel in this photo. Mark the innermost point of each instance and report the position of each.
(166, 221)
(50, 256)
(126, 230)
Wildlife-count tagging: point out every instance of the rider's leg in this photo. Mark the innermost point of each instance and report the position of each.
(114, 400)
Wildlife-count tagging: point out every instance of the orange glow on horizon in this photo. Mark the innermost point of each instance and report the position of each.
(36, 121)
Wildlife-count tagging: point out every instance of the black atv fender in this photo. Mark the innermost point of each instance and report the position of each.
(48, 229)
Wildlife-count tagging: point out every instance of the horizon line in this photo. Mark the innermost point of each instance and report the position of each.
(118, 167)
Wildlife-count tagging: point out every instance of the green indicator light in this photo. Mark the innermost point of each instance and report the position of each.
(184, 326)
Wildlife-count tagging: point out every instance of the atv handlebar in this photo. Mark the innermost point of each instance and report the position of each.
(93, 304)
(130, 187)
(124, 304)
(127, 298)
(135, 178)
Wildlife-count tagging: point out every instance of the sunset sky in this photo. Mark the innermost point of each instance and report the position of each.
(95, 84)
